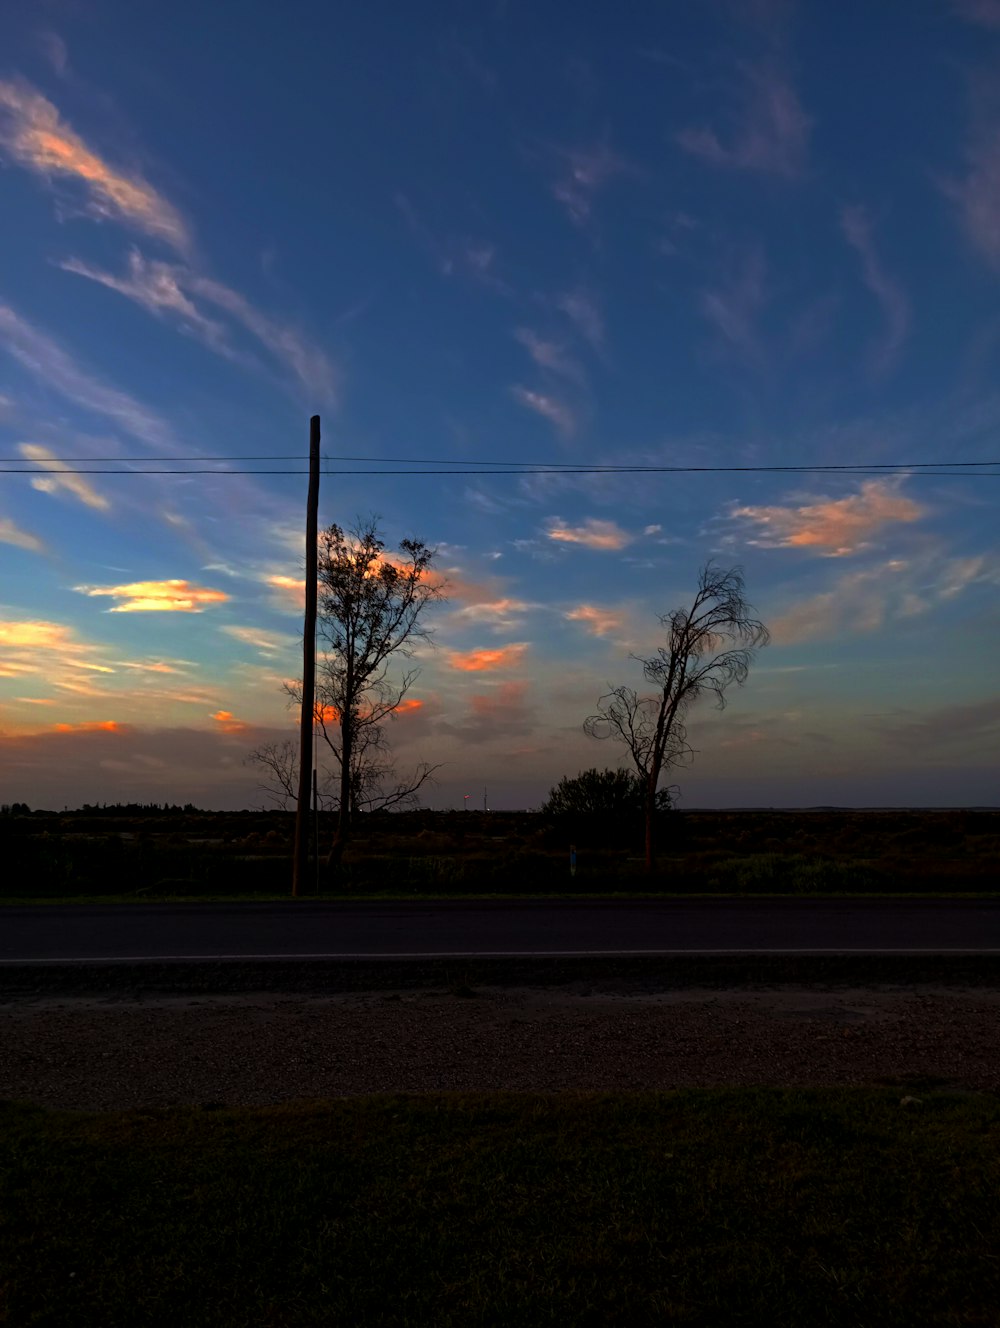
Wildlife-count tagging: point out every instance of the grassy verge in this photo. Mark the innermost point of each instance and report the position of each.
(396, 897)
(698, 1207)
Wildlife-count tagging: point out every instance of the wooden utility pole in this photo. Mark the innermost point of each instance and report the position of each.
(306, 719)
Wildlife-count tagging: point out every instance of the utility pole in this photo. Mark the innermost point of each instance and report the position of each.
(307, 717)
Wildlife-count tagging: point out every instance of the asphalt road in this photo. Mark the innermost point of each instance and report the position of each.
(302, 930)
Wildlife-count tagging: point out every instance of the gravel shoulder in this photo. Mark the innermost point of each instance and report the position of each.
(127, 1049)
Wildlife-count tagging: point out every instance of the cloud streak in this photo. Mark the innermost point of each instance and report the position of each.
(855, 224)
(174, 596)
(835, 527)
(889, 592)
(20, 539)
(169, 290)
(770, 130)
(584, 173)
(33, 134)
(486, 661)
(56, 369)
(550, 408)
(597, 621)
(61, 478)
(592, 534)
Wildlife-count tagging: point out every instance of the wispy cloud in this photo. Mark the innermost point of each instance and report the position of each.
(56, 369)
(732, 308)
(551, 356)
(770, 130)
(61, 479)
(484, 661)
(985, 13)
(267, 643)
(592, 534)
(557, 412)
(474, 259)
(21, 539)
(855, 223)
(889, 592)
(977, 195)
(169, 290)
(583, 173)
(90, 726)
(597, 621)
(38, 648)
(174, 596)
(583, 311)
(834, 527)
(497, 614)
(33, 134)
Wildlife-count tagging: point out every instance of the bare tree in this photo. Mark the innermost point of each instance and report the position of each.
(709, 646)
(370, 609)
(278, 766)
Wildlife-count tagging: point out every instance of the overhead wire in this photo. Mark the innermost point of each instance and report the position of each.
(335, 465)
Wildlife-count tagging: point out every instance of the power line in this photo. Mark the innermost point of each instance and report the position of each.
(555, 466)
(920, 470)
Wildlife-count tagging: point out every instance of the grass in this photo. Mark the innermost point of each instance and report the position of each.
(410, 897)
(724, 1207)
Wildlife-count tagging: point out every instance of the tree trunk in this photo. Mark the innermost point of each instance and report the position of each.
(344, 815)
(651, 783)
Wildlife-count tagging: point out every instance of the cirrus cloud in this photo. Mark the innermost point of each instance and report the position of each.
(33, 134)
(59, 477)
(21, 539)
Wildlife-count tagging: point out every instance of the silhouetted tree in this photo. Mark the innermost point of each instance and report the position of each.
(370, 614)
(603, 794)
(709, 646)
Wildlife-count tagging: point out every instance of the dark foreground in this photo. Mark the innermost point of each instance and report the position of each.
(835, 1207)
(501, 928)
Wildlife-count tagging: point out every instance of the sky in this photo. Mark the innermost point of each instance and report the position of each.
(740, 233)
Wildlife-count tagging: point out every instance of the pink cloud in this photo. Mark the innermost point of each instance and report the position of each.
(597, 621)
(592, 534)
(833, 526)
(550, 408)
(33, 134)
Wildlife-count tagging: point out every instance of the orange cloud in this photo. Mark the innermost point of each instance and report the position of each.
(599, 622)
(409, 706)
(90, 726)
(508, 697)
(173, 596)
(593, 534)
(228, 723)
(33, 134)
(838, 526)
(481, 661)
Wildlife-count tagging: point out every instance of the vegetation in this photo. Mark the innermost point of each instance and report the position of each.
(156, 852)
(709, 647)
(370, 614)
(784, 1207)
(602, 806)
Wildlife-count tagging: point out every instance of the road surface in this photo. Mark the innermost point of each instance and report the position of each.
(426, 930)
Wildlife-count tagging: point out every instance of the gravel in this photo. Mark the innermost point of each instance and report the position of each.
(127, 1049)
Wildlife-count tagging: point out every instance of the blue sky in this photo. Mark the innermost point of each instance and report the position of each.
(728, 234)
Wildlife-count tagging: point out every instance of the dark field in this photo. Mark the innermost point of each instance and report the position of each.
(781, 1207)
(172, 853)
